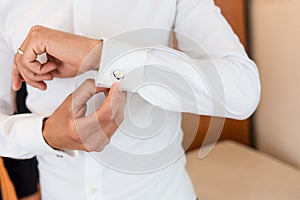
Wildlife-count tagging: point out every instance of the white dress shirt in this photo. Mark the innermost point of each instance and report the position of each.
(138, 163)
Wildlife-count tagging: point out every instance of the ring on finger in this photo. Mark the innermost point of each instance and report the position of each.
(20, 52)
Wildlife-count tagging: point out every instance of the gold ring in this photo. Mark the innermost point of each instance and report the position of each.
(19, 51)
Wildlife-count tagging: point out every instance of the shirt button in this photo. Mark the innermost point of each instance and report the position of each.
(59, 156)
(93, 190)
(119, 75)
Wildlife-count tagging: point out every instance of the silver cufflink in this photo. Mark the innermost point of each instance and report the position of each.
(119, 75)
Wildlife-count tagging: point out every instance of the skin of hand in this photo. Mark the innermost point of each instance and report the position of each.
(68, 55)
(69, 129)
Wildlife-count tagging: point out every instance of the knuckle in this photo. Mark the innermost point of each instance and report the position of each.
(99, 148)
(93, 147)
(85, 148)
(35, 32)
(107, 140)
(35, 29)
(88, 147)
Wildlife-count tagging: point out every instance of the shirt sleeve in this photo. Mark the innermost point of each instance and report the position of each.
(210, 75)
(20, 135)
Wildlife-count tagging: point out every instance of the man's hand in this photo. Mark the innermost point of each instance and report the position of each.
(69, 129)
(68, 55)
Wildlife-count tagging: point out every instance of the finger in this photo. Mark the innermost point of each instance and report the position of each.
(37, 68)
(54, 60)
(109, 129)
(101, 123)
(32, 47)
(38, 83)
(85, 91)
(24, 43)
(25, 72)
(111, 106)
(23, 60)
(92, 138)
(119, 109)
(31, 76)
(65, 70)
(103, 116)
(112, 96)
(48, 67)
(81, 112)
(34, 70)
(16, 79)
(18, 73)
(117, 98)
(95, 141)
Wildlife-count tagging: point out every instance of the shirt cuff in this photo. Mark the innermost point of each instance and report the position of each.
(30, 138)
(122, 62)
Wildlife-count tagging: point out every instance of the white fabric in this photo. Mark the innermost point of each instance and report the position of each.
(79, 175)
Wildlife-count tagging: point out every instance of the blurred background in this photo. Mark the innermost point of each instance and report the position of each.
(258, 158)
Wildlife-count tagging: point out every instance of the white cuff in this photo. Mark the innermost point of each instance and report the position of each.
(28, 135)
(121, 62)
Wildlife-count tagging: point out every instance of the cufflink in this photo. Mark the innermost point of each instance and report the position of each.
(119, 75)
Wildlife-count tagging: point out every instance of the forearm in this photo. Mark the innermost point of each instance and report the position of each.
(224, 87)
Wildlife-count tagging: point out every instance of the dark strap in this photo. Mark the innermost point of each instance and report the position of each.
(21, 98)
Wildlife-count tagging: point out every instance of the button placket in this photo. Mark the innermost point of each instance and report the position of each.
(59, 156)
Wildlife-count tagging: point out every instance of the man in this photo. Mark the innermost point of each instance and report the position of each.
(144, 158)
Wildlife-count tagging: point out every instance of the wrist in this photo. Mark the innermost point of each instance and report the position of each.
(93, 57)
(45, 133)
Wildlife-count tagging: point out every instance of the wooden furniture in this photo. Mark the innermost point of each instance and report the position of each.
(235, 12)
(234, 171)
(7, 189)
